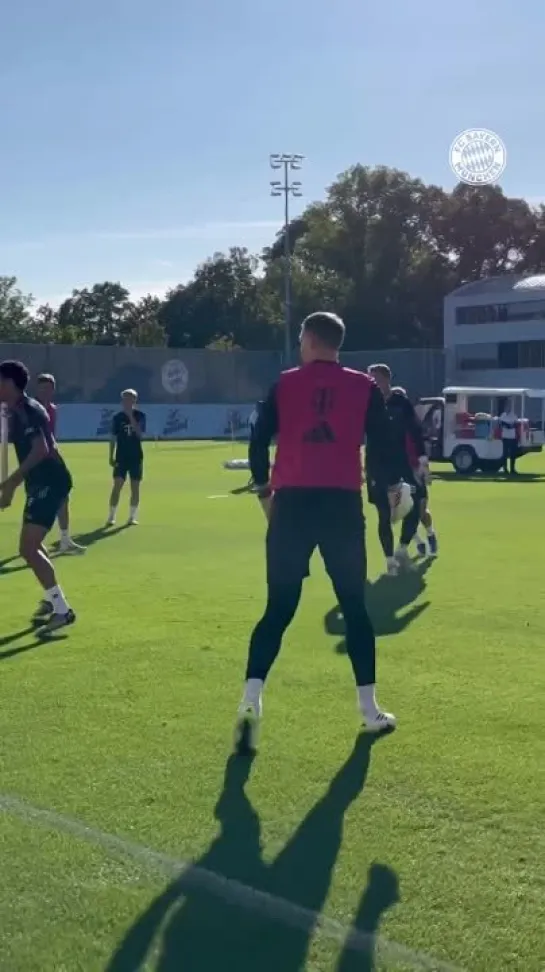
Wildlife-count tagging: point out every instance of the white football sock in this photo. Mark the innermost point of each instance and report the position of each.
(252, 694)
(65, 536)
(366, 700)
(113, 511)
(430, 531)
(134, 512)
(57, 600)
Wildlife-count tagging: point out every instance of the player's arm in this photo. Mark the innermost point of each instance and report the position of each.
(113, 442)
(34, 431)
(262, 433)
(413, 426)
(380, 446)
(138, 424)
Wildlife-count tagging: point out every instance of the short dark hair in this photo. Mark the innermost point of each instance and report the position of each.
(327, 328)
(46, 379)
(380, 369)
(16, 372)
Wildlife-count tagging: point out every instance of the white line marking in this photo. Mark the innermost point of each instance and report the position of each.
(198, 878)
(219, 496)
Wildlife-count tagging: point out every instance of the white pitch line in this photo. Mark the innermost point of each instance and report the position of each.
(219, 496)
(198, 878)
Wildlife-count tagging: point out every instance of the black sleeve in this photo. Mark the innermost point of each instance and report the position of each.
(414, 427)
(382, 457)
(142, 421)
(35, 424)
(115, 426)
(262, 433)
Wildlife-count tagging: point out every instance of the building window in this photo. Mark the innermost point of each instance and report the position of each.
(508, 354)
(521, 354)
(476, 357)
(529, 310)
(505, 355)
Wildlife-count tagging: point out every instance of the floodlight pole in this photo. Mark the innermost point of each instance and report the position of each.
(286, 188)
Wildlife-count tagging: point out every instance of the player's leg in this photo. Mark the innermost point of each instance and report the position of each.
(429, 544)
(386, 534)
(505, 456)
(513, 449)
(120, 475)
(135, 475)
(379, 498)
(342, 545)
(39, 516)
(67, 545)
(409, 525)
(289, 546)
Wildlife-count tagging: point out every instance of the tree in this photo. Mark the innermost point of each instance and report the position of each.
(96, 316)
(224, 302)
(142, 327)
(14, 311)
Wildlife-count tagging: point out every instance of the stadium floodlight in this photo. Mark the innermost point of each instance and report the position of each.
(286, 188)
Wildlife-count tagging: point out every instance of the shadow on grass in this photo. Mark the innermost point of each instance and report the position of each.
(35, 642)
(386, 597)
(85, 539)
(452, 477)
(211, 919)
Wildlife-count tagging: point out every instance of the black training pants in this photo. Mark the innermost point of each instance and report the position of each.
(510, 451)
(301, 520)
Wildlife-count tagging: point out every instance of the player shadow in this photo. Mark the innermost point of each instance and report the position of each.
(100, 533)
(386, 599)
(85, 539)
(232, 909)
(35, 642)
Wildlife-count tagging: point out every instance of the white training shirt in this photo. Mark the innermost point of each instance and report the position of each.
(508, 421)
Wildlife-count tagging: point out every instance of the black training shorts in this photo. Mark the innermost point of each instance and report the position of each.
(331, 520)
(43, 502)
(378, 496)
(133, 468)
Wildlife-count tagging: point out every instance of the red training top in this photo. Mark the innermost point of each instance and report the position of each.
(320, 414)
(52, 416)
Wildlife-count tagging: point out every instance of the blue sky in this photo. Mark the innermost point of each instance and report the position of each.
(136, 134)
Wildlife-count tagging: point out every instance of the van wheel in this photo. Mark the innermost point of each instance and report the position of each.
(464, 460)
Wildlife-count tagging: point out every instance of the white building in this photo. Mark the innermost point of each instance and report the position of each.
(494, 332)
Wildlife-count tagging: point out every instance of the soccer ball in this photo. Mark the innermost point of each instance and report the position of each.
(404, 505)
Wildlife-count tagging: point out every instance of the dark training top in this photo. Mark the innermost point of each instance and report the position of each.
(128, 444)
(406, 427)
(320, 415)
(29, 421)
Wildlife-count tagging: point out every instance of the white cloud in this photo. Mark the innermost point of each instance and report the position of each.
(197, 231)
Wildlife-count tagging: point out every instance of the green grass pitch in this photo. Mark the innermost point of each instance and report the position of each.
(434, 840)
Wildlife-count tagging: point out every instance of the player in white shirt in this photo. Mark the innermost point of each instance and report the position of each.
(508, 425)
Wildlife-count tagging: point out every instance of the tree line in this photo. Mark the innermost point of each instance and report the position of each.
(382, 250)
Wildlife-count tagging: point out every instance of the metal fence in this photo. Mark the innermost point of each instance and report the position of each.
(173, 376)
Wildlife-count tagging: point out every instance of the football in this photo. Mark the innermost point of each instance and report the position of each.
(404, 505)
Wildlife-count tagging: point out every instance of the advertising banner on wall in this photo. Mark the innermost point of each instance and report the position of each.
(86, 423)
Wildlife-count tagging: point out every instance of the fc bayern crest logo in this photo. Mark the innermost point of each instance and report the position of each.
(478, 157)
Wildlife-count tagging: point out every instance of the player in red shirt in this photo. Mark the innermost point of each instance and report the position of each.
(45, 393)
(319, 415)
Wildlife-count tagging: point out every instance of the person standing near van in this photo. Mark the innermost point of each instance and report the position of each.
(508, 425)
